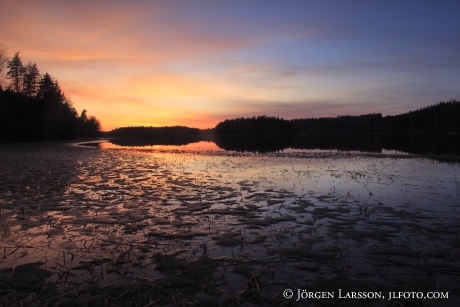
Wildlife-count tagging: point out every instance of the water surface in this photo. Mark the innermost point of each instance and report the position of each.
(199, 225)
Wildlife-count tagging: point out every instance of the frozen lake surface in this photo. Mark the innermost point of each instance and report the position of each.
(198, 226)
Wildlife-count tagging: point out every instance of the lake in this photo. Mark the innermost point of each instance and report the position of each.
(197, 225)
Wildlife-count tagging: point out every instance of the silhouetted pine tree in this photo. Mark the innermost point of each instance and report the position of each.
(31, 79)
(15, 72)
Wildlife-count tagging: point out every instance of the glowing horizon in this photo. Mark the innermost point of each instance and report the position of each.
(142, 63)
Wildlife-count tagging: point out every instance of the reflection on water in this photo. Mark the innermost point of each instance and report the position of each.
(164, 140)
(413, 144)
(226, 228)
(256, 143)
(192, 146)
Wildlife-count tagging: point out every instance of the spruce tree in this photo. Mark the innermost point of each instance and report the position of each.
(46, 86)
(15, 72)
(31, 79)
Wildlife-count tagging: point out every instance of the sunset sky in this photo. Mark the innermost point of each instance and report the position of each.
(195, 63)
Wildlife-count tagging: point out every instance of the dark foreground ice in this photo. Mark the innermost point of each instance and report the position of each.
(120, 226)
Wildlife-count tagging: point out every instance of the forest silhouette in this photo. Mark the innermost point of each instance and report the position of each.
(34, 108)
(430, 130)
(439, 119)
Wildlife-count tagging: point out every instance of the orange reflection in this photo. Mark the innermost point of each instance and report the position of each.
(197, 146)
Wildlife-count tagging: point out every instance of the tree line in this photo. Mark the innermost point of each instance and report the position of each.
(34, 108)
(255, 126)
(441, 118)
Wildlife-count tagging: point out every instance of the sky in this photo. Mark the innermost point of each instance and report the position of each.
(196, 63)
